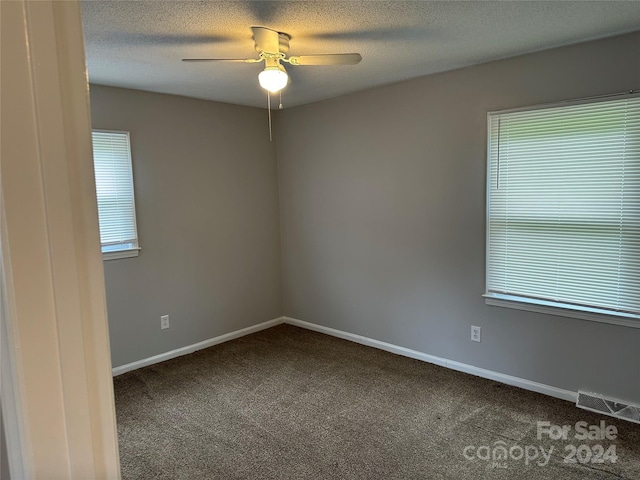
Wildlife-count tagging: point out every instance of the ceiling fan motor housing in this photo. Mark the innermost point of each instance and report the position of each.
(283, 38)
(283, 44)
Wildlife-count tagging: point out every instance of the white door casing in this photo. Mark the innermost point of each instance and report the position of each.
(56, 312)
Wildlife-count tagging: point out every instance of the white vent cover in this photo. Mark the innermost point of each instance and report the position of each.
(614, 408)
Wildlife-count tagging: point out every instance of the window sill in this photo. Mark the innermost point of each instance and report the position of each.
(540, 306)
(117, 254)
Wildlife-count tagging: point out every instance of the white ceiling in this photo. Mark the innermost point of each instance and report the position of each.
(140, 44)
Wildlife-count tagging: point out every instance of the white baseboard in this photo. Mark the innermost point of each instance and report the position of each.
(195, 347)
(389, 347)
(443, 362)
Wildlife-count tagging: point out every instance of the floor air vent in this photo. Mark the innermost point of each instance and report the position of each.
(614, 408)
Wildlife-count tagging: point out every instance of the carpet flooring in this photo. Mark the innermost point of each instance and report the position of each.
(287, 403)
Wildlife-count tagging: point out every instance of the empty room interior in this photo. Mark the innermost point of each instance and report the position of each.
(390, 240)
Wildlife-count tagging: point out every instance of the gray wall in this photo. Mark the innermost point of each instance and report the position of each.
(383, 218)
(205, 181)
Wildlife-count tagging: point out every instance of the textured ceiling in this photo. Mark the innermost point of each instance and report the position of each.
(140, 44)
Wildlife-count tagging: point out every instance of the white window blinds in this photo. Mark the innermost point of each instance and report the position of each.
(563, 216)
(114, 189)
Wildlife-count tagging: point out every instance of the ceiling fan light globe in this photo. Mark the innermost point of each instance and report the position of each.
(273, 79)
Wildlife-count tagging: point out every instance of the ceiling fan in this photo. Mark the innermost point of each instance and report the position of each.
(272, 47)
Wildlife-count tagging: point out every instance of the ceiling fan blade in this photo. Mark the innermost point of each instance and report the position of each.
(328, 59)
(267, 40)
(236, 60)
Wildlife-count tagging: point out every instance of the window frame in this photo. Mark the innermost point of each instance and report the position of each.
(533, 304)
(134, 250)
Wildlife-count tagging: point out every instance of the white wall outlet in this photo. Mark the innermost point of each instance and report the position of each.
(475, 333)
(164, 322)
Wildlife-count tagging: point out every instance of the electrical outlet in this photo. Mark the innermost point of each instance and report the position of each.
(475, 333)
(164, 322)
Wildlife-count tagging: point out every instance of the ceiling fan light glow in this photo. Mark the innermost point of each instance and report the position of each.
(273, 79)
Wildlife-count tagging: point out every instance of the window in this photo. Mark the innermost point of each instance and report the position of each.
(114, 189)
(563, 209)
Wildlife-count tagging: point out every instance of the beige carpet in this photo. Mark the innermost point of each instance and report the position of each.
(287, 403)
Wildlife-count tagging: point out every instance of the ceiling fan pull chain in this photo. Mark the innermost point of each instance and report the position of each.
(280, 106)
(269, 109)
